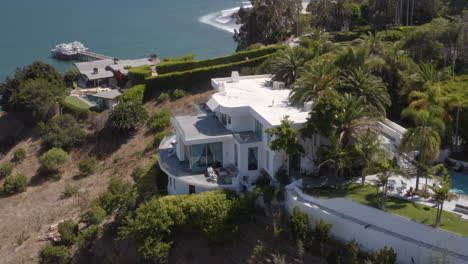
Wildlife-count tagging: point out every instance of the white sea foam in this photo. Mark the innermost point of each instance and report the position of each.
(223, 19)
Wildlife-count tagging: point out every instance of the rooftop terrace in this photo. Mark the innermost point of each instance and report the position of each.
(257, 93)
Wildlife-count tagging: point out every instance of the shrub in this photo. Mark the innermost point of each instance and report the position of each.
(50, 254)
(116, 197)
(6, 169)
(188, 57)
(164, 82)
(322, 231)
(19, 155)
(268, 193)
(134, 94)
(68, 231)
(62, 132)
(163, 97)
(15, 184)
(94, 216)
(282, 176)
(352, 252)
(346, 36)
(179, 66)
(52, 160)
(87, 238)
(127, 117)
(385, 256)
(70, 190)
(214, 214)
(71, 76)
(178, 93)
(300, 224)
(259, 251)
(137, 75)
(254, 46)
(280, 195)
(137, 173)
(77, 112)
(390, 35)
(159, 121)
(88, 165)
(157, 140)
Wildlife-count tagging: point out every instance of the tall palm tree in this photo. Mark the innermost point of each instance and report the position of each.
(457, 100)
(373, 91)
(386, 169)
(354, 119)
(441, 193)
(285, 66)
(316, 76)
(424, 137)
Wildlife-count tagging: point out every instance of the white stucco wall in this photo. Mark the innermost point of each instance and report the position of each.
(373, 229)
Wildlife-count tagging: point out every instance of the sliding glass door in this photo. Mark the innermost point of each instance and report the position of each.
(204, 155)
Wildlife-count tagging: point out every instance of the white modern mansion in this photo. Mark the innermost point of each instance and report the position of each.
(227, 147)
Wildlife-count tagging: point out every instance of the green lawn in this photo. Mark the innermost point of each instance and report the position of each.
(417, 212)
(74, 100)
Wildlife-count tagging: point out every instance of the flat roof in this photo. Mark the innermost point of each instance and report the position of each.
(112, 94)
(201, 127)
(256, 92)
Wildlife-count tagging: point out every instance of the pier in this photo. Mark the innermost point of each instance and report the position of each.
(88, 56)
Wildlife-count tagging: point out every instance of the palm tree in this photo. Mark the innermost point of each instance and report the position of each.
(354, 119)
(368, 146)
(441, 193)
(430, 172)
(387, 169)
(425, 137)
(361, 83)
(315, 77)
(285, 66)
(458, 101)
(337, 155)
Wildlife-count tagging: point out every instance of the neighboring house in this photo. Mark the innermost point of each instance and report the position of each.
(106, 73)
(107, 99)
(227, 147)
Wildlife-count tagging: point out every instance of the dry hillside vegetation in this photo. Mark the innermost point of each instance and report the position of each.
(26, 218)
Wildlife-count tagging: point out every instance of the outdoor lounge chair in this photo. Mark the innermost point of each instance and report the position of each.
(409, 192)
(461, 209)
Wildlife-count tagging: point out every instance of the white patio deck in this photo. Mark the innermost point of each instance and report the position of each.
(448, 205)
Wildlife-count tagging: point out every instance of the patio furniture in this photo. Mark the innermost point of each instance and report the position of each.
(461, 209)
(409, 192)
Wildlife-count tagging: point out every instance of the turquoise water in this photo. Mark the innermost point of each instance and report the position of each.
(460, 182)
(91, 99)
(119, 28)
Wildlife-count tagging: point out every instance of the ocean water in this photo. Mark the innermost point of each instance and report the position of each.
(119, 28)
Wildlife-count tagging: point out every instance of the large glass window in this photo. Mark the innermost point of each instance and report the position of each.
(253, 159)
(205, 155)
(258, 129)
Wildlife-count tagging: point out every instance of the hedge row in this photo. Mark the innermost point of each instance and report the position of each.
(179, 66)
(77, 112)
(134, 94)
(165, 82)
(137, 75)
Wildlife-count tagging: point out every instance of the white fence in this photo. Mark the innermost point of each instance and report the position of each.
(373, 229)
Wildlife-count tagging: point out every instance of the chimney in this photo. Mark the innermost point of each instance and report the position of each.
(235, 76)
(222, 87)
(95, 70)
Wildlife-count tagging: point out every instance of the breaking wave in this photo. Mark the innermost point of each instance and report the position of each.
(223, 19)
